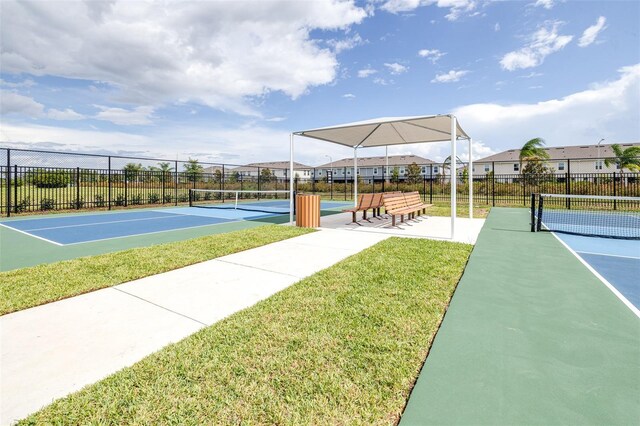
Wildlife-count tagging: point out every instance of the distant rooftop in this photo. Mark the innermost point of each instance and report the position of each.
(394, 160)
(562, 152)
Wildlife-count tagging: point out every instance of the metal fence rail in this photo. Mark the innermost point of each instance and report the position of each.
(40, 181)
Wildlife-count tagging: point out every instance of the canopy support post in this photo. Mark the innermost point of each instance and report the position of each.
(355, 176)
(470, 177)
(291, 200)
(453, 176)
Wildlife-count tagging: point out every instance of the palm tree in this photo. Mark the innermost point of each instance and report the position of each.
(625, 159)
(533, 150)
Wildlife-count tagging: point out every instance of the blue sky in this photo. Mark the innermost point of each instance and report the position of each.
(228, 81)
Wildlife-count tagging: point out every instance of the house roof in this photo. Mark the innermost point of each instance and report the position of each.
(394, 160)
(561, 153)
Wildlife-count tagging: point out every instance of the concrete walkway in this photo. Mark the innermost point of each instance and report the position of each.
(52, 350)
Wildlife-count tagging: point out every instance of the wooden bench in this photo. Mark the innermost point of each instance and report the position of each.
(399, 204)
(366, 202)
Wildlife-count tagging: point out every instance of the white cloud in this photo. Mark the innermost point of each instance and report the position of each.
(450, 77)
(590, 34)
(382, 81)
(66, 114)
(349, 96)
(14, 103)
(456, 7)
(542, 43)
(347, 43)
(496, 27)
(431, 54)
(210, 52)
(138, 116)
(396, 68)
(366, 72)
(608, 109)
(547, 4)
(25, 83)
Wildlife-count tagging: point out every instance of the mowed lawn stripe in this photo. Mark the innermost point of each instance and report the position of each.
(343, 346)
(33, 286)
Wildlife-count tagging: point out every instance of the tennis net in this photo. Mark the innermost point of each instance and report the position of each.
(591, 215)
(276, 202)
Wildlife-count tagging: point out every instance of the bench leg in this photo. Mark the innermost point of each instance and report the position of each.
(401, 218)
(353, 214)
(393, 220)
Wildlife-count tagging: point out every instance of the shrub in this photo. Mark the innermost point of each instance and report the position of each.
(47, 204)
(22, 206)
(154, 198)
(77, 203)
(99, 200)
(136, 199)
(57, 179)
(168, 198)
(183, 198)
(207, 195)
(119, 200)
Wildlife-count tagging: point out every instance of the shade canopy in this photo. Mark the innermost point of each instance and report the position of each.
(388, 131)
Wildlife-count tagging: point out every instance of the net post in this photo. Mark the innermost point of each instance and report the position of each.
(539, 222)
(533, 212)
(294, 202)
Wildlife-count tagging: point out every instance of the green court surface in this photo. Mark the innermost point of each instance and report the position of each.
(18, 250)
(531, 337)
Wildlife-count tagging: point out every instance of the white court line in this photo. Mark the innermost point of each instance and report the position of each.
(101, 223)
(31, 235)
(610, 255)
(601, 278)
(153, 232)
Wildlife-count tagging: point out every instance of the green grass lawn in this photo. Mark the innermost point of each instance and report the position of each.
(343, 346)
(28, 287)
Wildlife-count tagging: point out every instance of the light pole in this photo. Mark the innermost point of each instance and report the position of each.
(599, 160)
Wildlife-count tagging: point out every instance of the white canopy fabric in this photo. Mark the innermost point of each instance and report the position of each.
(388, 131)
(393, 131)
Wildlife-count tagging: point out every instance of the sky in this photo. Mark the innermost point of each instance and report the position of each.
(228, 81)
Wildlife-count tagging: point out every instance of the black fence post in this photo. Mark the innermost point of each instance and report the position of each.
(493, 183)
(424, 188)
(258, 183)
(109, 183)
(222, 184)
(615, 192)
(163, 186)
(176, 180)
(533, 212)
(77, 188)
(345, 183)
(15, 188)
(8, 182)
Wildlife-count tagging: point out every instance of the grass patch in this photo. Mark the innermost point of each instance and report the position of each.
(444, 209)
(28, 287)
(343, 346)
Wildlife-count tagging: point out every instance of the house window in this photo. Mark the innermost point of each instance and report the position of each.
(402, 171)
(435, 169)
(560, 166)
(375, 171)
(348, 172)
(424, 170)
(516, 167)
(486, 168)
(599, 165)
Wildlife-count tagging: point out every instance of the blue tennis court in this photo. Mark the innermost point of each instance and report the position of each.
(75, 229)
(616, 261)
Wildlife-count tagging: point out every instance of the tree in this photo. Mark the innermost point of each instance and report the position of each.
(166, 169)
(465, 175)
(131, 171)
(535, 171)
(217, 176)
(193, 170)
(266, 175)
(413, 173)
(625, 159)
(395, 175)
(532, 150)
